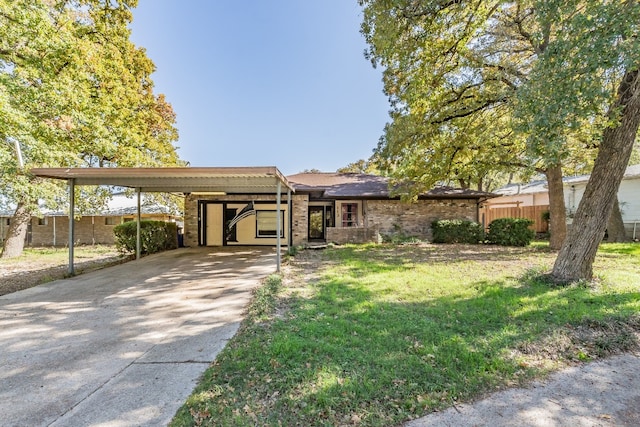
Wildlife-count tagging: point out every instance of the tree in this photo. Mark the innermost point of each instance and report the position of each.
(74, 91)
(615, 225)
(575, 259)
(453, 72)
(361, 166)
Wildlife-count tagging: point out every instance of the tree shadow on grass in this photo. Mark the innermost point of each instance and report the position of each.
(346, 355)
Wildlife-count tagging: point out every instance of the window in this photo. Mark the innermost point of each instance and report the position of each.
(111, 220)
(349, 214)
(7, 221)
(266, 224)
(42, 221)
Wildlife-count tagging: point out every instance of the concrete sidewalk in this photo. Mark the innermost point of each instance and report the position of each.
(124, 345)
(597, 394)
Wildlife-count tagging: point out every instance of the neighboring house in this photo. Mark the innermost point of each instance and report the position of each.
(53, 228)
(532, 199)
(325, 207)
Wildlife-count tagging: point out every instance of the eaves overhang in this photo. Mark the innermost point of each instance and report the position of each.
(229, 180)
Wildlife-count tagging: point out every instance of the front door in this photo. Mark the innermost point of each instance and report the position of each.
(316, 223)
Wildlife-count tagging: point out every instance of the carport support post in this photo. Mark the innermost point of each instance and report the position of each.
(72, 208)
(278, 224)
(290, 228)
(138, 239)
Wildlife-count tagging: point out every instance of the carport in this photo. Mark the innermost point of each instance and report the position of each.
(225, 180)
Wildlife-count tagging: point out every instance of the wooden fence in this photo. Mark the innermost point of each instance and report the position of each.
(534, 213)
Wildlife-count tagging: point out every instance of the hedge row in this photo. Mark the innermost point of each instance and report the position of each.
(155, 236)
(510, 232)
(456, 231)
(502, 231)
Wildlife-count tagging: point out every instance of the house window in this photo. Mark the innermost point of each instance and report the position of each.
(7, 221)
(111, 220)
(266, 224)
(42, 221)
(349, 214)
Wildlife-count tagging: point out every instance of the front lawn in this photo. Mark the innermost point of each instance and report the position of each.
(44, 264)
(379, 334)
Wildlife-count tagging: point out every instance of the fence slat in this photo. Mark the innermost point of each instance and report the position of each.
(533, 213)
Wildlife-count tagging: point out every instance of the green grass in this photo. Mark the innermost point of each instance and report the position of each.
(388, 333)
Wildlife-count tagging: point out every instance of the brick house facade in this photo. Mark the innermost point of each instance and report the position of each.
(328, 207)
(259, 206)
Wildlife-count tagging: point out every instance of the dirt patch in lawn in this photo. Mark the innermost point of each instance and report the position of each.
(36, 267)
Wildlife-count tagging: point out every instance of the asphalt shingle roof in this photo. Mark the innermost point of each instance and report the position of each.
(358, 185)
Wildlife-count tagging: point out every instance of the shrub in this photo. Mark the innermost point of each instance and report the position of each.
(456, 231)
(510, 232)
(155, 236)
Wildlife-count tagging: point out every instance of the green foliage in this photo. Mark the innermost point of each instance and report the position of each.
(479, 88)
(589, 47)
(510, 232)
(456, 231)
(369, 166)
(75, 92)
(155, 236)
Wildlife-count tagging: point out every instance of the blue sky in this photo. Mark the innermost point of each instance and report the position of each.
(265, 83)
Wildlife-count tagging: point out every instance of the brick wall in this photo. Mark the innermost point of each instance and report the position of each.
(300, 219)
(392, 217)
(382, 217)
(88, 230)
(342, 235)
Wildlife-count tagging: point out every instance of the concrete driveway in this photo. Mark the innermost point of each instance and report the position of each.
(125, 345)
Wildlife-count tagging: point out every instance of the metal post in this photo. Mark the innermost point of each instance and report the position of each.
(72, 208)
(289, 213)
(278, 225)
(138, 237)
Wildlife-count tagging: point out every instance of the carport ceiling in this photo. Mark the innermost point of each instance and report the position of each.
(229, 180)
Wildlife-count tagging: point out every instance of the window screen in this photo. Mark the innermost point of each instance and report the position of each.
(266, 223)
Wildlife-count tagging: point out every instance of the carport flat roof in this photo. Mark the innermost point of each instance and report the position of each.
(229, 180)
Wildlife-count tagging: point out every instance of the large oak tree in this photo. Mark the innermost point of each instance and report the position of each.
(453, 71)
(74, 91)
(536, 77)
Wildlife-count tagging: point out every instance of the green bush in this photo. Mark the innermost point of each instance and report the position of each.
(456, 231)
(510, 232)
(155, 236)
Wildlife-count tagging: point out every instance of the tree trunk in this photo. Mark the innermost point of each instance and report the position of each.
(14, 244)
(575, 259)
(557, 211)
(615, 226)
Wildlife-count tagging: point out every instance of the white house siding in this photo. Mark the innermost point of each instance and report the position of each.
(628, 196)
